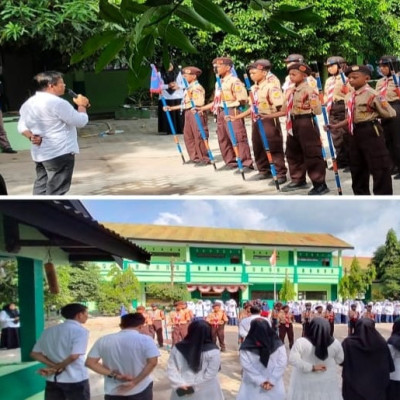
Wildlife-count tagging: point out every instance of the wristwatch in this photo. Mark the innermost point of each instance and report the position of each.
(112, 375)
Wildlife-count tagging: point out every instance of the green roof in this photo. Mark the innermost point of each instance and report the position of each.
(190, 234)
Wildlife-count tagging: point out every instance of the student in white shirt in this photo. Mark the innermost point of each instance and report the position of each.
(263, 359)
(245, 323)
(50, 123)
(62, 349)
(126, 359)
(193, 365)
(9, 325)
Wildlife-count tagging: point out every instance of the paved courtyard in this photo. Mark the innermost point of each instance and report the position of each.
(138, 161)
(229, 376)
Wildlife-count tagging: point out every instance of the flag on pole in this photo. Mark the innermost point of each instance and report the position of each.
(272, 259)
(155, 81)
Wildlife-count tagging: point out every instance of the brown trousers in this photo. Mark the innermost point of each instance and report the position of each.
(283, 331)
(218, 331)
(340, 136)
(157, 330)
(178, 333)
(304, 152)
(191, 135)
(272, 128)
(225, 143)
(369, 156)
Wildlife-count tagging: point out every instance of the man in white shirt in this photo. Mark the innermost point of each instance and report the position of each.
(50, 123)
(126, 359)
(244, 325)
(62, 349)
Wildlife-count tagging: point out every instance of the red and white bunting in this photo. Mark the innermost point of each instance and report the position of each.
(191, 288)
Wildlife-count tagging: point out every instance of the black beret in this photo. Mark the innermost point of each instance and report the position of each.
(262, 64)
(300, 67)
(358, 68)
(223, 60)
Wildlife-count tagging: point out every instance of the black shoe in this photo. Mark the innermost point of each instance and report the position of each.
(245, 170)
(281, 181)
(227, 167)
(202, 164)
(319, 190)
(9, 150)
(260, 176)
(295, 186)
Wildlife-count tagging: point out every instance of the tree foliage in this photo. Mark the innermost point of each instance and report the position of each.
(287, 292)
(65, 295)
(390, 266)
(122, 288)
(355, 284)
(84, 282)
(167, 292)
(8, 282)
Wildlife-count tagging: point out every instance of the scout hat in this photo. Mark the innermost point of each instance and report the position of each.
(294, 58)
(358, 68)
(304, 68)
(262, 64)
(192, 71)
(391, 60)
(223, 60)
(335, 60)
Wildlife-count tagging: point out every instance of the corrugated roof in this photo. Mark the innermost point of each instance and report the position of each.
(227, 236)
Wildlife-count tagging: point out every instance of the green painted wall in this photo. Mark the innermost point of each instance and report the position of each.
(261, 257)
(313, 259)
(18, 382)
(204, 255)
(176, 254)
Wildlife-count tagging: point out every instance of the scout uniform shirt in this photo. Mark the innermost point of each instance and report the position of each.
(369, 314)
(339, 93)
(391, 92)
(311, 81)
(193, 92)
(216, 318)
(305, 100)
(233, 91)
(330, 316)
(177, 318)
(285, 318)
(268, 95)
(369, 105)
(156, 316)
(354, 316)
(306, 316)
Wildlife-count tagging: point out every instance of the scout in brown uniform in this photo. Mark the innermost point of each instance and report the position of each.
(145, 328)
(191, 134)
(286, 319)
(178, 321)
(335, 93)
(368, 313)
(306, 317)
(217, 319)
(267, 94)
(156, 328)
(354, 315)
(303, 146)
(292, 59)
(234, 94)
(330, 316)
(391, 127)
(368, 153)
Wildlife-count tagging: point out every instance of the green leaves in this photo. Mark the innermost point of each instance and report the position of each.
(191, 17)
(110, 13)
(295, 14)
(214, 14)
(175, 37)
(110, 52)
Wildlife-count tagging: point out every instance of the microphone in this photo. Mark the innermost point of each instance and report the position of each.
(72, 93)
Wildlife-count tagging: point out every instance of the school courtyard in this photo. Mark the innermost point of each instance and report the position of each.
(135, 160)
(229, 376)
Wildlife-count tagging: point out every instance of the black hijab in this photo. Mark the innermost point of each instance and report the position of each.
(261, 339)
(197, 340)
(319, 334)
(168, 77)
(367, 361)
(394, 339)
(11, 313)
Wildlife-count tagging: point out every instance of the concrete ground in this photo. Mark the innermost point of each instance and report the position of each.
(229, 376)
(138, 161)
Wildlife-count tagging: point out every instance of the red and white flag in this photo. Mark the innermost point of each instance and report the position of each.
(272, 259)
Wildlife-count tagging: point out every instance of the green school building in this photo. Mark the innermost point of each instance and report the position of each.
(235, 263)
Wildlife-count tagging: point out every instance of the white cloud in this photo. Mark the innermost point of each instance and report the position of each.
(166, 218)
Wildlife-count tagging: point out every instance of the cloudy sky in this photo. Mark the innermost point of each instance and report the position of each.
(362, 223)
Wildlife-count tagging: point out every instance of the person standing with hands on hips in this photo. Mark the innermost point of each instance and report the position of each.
(50, 123)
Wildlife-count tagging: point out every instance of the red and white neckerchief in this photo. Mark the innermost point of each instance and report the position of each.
(351, 108)
(287, 320)
(331, 89)
(383, 90)
(216, 319)
(289, 107)
(255, 103)
(217, 100)
(177, 319)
